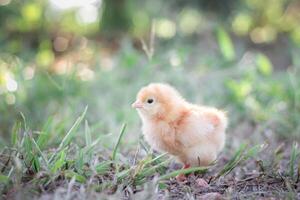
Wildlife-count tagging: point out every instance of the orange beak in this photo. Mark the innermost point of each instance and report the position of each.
(137, 105)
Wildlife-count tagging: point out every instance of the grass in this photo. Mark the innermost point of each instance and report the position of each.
(67, 165)
(49, 152)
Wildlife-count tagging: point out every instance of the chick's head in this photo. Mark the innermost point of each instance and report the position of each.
(157, 100)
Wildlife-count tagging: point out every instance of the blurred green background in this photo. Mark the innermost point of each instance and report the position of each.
(56, 57)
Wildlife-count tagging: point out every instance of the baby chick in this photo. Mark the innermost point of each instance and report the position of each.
(192, 133)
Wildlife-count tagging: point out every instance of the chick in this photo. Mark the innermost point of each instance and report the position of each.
(192, 133)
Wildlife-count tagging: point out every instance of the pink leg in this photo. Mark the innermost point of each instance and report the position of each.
(185, 166)
(182, 177)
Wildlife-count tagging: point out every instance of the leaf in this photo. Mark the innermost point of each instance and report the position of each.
(264, 65)
(225, 44)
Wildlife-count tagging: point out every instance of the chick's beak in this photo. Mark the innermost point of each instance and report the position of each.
(137, 105)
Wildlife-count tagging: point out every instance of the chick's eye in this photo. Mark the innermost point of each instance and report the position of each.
(149, 101)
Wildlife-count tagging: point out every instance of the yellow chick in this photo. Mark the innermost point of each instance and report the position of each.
(192, 133)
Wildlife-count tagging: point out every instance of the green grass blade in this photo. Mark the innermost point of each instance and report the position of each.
(253, 151)
(36, 164)
(151, 170)
(60, 162)
(88, 137)
(79, 178)
(54, 82)
(24, 121)
(156, 158)
(28, 148)
(70, 134)
(44, 136)
(15, 133)
(293, 159)
(40, 152)
(89, 148)
(73, 129)
(233, 161)
(118, 142)
(103, 167)
(240, 156)
(79, 161)
(121, 175)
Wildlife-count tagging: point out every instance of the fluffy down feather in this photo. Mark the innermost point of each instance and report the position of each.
(192, 133)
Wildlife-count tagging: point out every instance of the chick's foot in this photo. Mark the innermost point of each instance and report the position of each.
(181, 178)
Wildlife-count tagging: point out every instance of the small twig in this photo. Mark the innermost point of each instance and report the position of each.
(149, 49)
(246, 179)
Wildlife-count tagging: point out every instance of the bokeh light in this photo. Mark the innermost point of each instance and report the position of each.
(60, 43)
(4, 2)
(87, 14)
(11, 85)
(190, 21)
(241, 24)
(264, 34)
(165, 28)
(68, 4)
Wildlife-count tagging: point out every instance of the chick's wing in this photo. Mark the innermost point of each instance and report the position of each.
(197, 127)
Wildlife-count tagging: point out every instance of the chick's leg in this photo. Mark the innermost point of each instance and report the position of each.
(182, 177)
